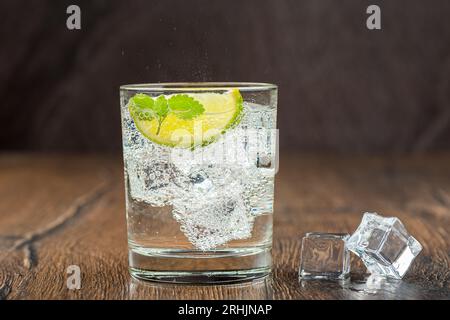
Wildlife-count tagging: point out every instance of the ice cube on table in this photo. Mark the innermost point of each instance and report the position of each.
(384, 245)
(324, 256)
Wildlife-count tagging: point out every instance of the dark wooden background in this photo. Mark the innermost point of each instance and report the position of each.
(342, 87)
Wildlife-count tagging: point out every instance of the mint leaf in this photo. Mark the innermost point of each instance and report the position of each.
(142, 106)
(161, 108)
(185, 107)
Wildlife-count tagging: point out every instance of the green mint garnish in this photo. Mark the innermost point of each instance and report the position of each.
(181, 105)
(161, 109)
(185, 107)
(142, 106)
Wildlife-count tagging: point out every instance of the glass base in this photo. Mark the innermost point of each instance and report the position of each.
(196, 267)
(214, 277)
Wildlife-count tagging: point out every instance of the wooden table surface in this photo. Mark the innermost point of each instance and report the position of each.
(62, 210)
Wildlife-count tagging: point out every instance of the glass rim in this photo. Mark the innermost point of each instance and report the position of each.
(199, 86)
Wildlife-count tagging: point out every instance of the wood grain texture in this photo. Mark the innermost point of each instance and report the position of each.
(57, 211)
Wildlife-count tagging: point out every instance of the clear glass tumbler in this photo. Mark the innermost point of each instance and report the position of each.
(200, 161)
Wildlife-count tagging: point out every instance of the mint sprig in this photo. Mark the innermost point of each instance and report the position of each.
(185, 107)
(161, 109)
(182, 106)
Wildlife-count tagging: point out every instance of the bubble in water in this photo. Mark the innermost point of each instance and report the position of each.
(213, 222)
(215, 191)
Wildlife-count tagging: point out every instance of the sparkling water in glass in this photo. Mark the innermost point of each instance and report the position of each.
(199, 211)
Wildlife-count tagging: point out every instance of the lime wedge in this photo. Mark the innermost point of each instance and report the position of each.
(213, 114)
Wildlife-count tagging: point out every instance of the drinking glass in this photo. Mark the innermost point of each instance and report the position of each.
(199, 161)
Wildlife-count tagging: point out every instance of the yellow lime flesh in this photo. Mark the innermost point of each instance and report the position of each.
(222, 111)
